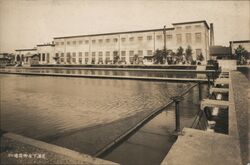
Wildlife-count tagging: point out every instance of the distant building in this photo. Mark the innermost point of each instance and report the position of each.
(244, 43)
(219, 52)
(6, 59)
(46, 52)
(123, 47)
(24, 56)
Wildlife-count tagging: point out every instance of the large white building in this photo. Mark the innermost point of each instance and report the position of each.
(124, 47)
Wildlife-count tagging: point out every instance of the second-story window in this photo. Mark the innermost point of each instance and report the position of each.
(131, 38)
(169, 37)
(68, 42)
(159, 37)
(93, 41)
(188, 37)
(179, 38)
(115, 39)
(140, 38)
(198, 37)
(86, 41)
(149, 37)
(74, 42)
(123, 39)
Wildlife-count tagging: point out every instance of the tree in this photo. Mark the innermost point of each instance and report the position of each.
(179, 54)
(116, 57)
(200, 57)
(160, 56)
(136, 59)
(188, 54)
(241, 54)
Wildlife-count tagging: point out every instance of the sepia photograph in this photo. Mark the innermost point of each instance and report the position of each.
(124, 82)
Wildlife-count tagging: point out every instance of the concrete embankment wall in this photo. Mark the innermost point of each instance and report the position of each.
(196, 147)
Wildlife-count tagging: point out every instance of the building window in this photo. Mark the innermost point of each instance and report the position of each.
(131, 53)
(123, 53)
(68, 42)
(149, 37)
(100, 40)
(123, 39)
(140, 53)
(74, 54)
(80, 54)
(187, 27)
(178, 28)
(80, 60)
(57, 43)
(86, 41)
(188, 37)
(131, 38)
(47, 57)
(86, 54)
(80, 42)
(93, 41)
(62, 54)
(107, 40)
(62, 59)
(107, 54)
(197, 26)
(74, 42)
(198, 37)
(159, 37)
(74, 60)
(169, 37)
(93, 54)
(140, 38)
(43, 57)
(179, 39)
(62, 43)
(99, 54)
(115, 39)
(149, 52)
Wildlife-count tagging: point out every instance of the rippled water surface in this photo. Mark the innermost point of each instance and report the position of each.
(42, 106)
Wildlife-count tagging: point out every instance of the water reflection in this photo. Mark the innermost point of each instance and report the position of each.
(108, 72)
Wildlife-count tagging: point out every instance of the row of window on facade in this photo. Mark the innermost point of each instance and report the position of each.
(107, 53)
(140, 38)
(189, 27)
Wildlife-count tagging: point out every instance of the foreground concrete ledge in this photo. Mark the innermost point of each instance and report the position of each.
(198, 147)
(214, 103)
(16, 144)
(218, 90)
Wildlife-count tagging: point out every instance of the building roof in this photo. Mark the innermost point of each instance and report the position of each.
(26, 49)
(219, 50)
(182, 23)
(115, 33)
(240, 41)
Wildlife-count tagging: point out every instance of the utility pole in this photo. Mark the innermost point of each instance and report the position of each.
(164, 36)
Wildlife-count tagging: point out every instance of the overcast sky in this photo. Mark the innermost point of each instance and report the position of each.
(26, 23)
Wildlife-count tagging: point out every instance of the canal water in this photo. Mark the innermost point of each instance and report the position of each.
(83, 114)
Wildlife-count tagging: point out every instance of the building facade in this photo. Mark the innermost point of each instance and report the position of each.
(124, 47)
(132, 47)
